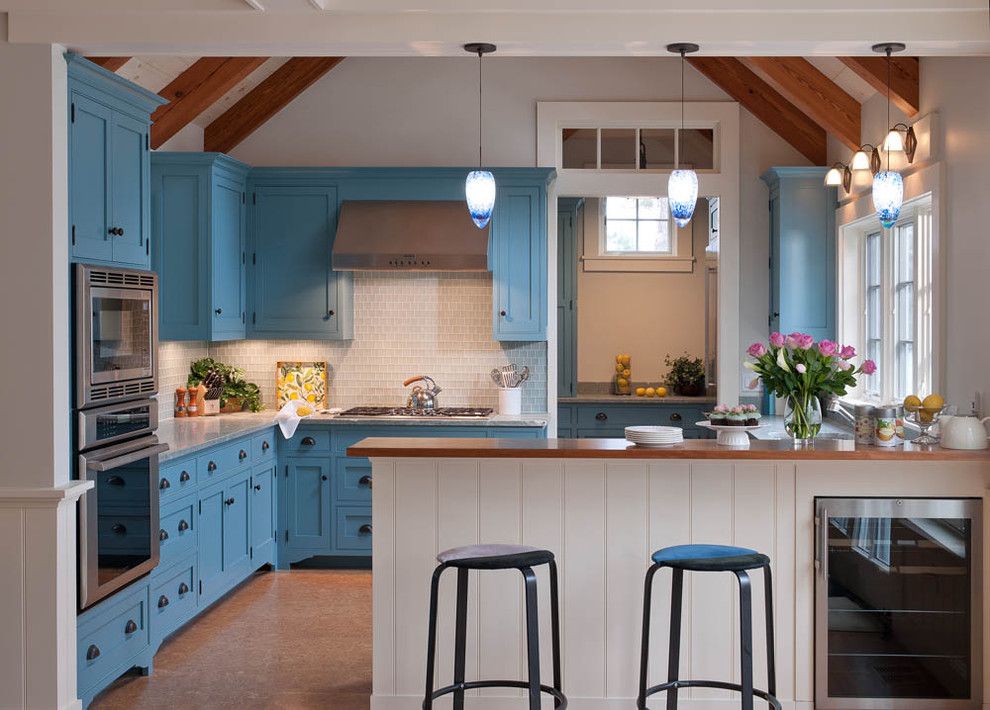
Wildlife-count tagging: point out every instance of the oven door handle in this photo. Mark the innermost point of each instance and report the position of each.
(125, 459)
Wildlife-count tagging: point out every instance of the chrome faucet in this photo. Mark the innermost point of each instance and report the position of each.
(834, 406)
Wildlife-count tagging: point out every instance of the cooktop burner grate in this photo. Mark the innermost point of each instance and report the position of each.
(410, 412)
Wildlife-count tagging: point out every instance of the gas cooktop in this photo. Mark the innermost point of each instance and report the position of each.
(476, 412)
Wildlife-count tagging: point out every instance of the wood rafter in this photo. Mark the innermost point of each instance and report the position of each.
(904, 78)
(815, 94)
(766, 103)
(265, 100)
(195, 90)
(109, 63)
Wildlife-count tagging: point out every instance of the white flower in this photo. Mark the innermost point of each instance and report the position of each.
(749, 365)
(782, 361)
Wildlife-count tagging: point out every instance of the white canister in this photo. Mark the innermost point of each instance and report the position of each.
(509, 400)
(887, 423)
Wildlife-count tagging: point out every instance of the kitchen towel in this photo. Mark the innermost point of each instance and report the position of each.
(291, 414)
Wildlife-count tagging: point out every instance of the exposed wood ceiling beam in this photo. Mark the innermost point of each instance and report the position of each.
(195, 90)
(817, 95)
(766, 103)
(904, 74)
(265, 100)
(109, 63)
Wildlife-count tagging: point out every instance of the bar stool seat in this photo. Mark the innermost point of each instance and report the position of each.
(710, 558)
(495, 556)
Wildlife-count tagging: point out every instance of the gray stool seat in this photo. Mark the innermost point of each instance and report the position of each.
(495, 556)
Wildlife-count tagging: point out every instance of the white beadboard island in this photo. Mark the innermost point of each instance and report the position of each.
(603, 506)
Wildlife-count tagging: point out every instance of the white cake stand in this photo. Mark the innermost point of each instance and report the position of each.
(735, 436)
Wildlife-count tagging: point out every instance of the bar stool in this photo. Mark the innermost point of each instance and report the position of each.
(709, 558)
(495, 557)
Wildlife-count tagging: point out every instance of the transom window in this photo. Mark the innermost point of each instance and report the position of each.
(637, 225)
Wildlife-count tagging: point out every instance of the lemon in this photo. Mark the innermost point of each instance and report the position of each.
(912, 403)
(618, 367)
(640, 391)
(650, 392)
(304, 411)
(661, 391)
(622, 382)
(626, 372)
(625, 360)
(933, 403)
(924, 416)
(618, 359)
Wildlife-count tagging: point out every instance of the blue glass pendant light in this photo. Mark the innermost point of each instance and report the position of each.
(888, 185)
(479, 187)
(682, 186)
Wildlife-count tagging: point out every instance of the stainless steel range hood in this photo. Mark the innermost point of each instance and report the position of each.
(408, 236)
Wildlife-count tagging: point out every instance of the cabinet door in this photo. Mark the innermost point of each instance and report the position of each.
(236, 528)
(89, 170)
(228, 260)
(566, 296)
(129, 190)
(307, 505)
(519, 268)
(211, 541)
(263, 512)
(295, 294)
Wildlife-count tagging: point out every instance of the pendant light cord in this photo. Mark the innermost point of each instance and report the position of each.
(677, 154)
(480, 141)
(888, 102)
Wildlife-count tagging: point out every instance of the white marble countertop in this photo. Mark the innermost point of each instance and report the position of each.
(632, 399)
(773, 428)
(188, 435)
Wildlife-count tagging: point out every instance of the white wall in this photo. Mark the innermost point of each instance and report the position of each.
(959, 90)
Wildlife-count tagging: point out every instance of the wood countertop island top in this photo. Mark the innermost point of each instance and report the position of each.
(827, 449)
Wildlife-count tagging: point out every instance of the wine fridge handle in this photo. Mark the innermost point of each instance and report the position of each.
(821, 540)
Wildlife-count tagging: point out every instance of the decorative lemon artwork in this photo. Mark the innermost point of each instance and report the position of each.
(305, 381)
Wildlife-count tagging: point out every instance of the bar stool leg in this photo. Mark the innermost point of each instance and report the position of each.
(555, 630)
(768, 601)
(644, 654)
(532, 637)
(745, 639)
(674, 656)
(460, 635)
(431, 646)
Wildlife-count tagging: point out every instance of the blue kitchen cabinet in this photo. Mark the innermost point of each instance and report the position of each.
(263, 514)
(606, 420)
(294, 292)
(519, 262)
(802, 252)
(108, 166)
(224, 536)
(307, 505)
(568, 215)
(199, 228)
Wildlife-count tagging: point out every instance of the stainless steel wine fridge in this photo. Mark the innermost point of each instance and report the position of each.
(898, 603)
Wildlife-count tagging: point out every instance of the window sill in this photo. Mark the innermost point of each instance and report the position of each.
(669, 264)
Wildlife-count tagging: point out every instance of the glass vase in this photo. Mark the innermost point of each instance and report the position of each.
(802, 418)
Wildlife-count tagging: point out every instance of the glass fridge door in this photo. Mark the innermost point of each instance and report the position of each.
(897, 598)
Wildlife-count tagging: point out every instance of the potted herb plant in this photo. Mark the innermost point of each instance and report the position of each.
(686, 375)
(238, 393)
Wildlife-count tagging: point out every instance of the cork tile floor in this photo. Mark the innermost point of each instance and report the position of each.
(287, 640)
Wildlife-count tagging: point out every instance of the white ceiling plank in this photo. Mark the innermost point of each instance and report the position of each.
(256, 4)
(318, 4)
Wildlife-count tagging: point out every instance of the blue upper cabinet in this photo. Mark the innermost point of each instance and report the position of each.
(294, 292)
(199, 228)
(109, 166)
(802, 252)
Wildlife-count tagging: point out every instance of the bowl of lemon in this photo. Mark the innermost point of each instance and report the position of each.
(924, 413)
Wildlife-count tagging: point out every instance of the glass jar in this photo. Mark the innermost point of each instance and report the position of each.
(802, 418)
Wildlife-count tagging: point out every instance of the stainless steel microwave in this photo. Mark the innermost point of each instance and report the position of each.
(116, 334)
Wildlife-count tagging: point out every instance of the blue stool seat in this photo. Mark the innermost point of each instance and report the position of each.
(710, 558)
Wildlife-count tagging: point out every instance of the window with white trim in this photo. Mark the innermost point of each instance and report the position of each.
(637, 225)
(886, 302)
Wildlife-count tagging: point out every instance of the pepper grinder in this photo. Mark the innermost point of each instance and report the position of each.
(180, 402)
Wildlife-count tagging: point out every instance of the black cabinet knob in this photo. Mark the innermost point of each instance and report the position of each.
(130, 627)
(184, 476)
(116, 481)
(330, 314)
(92, 653)
(365, 481)
(120, 231)
(601, 416)
(211, 466)
(183, 588)
(323, 478)
(308, 441)
(163, 484)
(162, 601)
(183, 526)
(257, 487)
(218, 311)
(229, 501)
(242, 454)
(675, 417)
(162, 535)
(502, 313)
(119, 528)
(365, 529)
(265, 446)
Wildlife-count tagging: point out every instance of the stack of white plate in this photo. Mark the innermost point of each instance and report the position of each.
(654, 435)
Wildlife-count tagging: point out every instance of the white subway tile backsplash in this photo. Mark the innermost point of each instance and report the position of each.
(404, 324)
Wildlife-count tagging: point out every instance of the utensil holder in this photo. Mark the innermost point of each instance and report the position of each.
(509, 400)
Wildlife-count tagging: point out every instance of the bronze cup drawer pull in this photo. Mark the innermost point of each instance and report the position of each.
(183, 526)
(242, 454)
(184, 476)
(162, 601)
(365, 529)
(365, 481)
(164, 484)
(183, 588)
(162, 535)
(130, 627)
(211, 466)
(93, 652)
(265, 446)
(308, 441)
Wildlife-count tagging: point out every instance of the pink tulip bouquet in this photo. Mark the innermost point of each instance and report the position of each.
(800, 370)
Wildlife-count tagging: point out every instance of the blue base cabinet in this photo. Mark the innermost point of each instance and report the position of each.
(604, 420)
(108, 166)
(199, 228)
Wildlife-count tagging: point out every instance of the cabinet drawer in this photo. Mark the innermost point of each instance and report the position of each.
(352, 480)
(112, 635)
(263, 448)
(353, 528)
(173, 599)
(681, 416)
(121, 489)
(175, 479)
(617, 415)
(307, 441)
(177, 536)
(223, 460)
(123, 533)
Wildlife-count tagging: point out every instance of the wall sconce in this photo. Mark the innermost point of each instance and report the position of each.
(839, 174)
(908, 143)
(863, 160)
